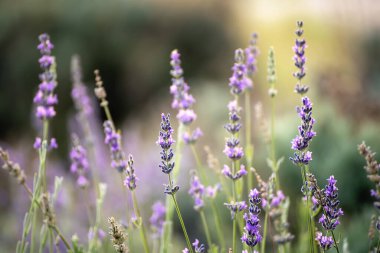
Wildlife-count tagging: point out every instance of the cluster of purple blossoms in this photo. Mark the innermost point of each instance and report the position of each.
(325, 242)
(239, 80)
(251, 53)
(79, 163)
(300, 59)
(79, 92)
(191, 138)
(196, 191)
(199, 248)
(235, 207)
(211, 191)
(275, 201)
(227, 172)
(179, 89)
(251, 235)
(45, 99)
(165, 140)
(331, 212)
(113, 140)
(305, 134)
(232, 149)
(158, 217)
(130, 179)
(38, 143)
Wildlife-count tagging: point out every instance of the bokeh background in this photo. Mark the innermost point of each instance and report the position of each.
(130, 42)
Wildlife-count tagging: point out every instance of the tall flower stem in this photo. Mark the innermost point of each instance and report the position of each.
(336, 244)
(273, 144)
(180, 217)
(215, 212)
(141, 224)
(205, 227)
(249, 146)
(234, 220)
(265, 231)
(311, 223)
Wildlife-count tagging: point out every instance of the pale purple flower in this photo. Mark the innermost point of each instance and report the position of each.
(113, 140)
(130, 179)
(325, 242)
(199, 248)
(79, 92)
(305, 134)
(251, 53)
(211, 191)
(239, 80)
(235, 207)
(186, 116)
(196, 191)
(300, 59)
(45, 99)
(79, 163)
(277, 199)
(191, 138)
(53, 144)
(158, 217)
(227, 172)
(251, 236)
(37, 143)
(165, 140)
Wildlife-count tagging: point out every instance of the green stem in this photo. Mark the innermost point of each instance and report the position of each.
(58, 232)
(142, 227)
(234, 235)
(273, 144)
(182, 224)
(205, 227)
(33, 233)
(305, 171)
(248, 141)
(265, 230)
(218, 221)
(336, 245)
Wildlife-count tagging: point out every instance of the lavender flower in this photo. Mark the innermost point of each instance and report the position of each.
(198, 248)
(157, 218)
(211, 191)
(235, 207)
(300, 59)
(130, 180)
(251, 53)
(239, 80)
(232, 149)
(182, 100)
(227, 172)
(112, 139)
(165, 140)
(251, 235)
(79, 163)
(330, 219)
(325, 242)
(197, 191)
(193, 137)
(45, 99)
(305, 134)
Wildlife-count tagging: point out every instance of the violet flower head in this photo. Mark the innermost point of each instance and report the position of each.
(232, 149)
(330, 218)
(235, 207)
(45, 99)
(191, 138)
(197, 191)
(182, 100)
(113, 140)
(277, 199)
(79, 92)
(300, 59)
(325, 242)
(251, 53)
(165, 140)
(79, 163)
(130, 179)
(239, 80)
(305, 134)
(251, 236)
(158, 217)
(198, 248)
(240, 173)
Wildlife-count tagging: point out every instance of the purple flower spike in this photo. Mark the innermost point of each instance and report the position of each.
(305, 134)
(251, 53)
(165, 140)
(232, 149)
(197, 191)
(130, 179)
(251, 236)
(112, 139)
(239, 80)
(157, 218)
(235, 207)
(44, 99)
(79, 163)
(325, 242)
(300, 59)
(193, 137)
(227, 172)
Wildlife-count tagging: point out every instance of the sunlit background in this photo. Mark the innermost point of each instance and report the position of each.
(130, 43)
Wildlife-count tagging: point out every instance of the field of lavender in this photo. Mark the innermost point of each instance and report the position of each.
(222, 166)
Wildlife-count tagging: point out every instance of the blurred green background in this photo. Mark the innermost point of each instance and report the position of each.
(130, 42)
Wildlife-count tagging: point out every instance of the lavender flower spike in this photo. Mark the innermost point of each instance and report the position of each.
(198, 248)
(251, 53)
(197, 191)
(182, 100)
(251, 236)
(130, 179)
(165, 140)
(79, 162)
(300, 59)
(45, 99)
(239, 80)
(157, 218)
(232, 149)
(305, 134)
(112, 139)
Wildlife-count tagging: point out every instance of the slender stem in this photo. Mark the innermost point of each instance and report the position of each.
(51, 241)
(378, 246)
(58, 232)
(273, 143)
(142, 228)
(107, 112)
(33, 233)
(182, 224)
(248, 141)
(234, 235)
(265, 230)
(199, 165)
(218, 221)
(336, 245)
(205, 227)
